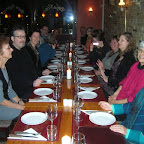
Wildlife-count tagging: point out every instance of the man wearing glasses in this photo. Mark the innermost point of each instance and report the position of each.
(22, 72)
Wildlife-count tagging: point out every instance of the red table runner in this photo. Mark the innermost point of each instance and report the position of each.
(41, 128)
(84, 123)
(101, 135)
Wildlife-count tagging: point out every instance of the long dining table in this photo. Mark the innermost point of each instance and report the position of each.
(65, 122)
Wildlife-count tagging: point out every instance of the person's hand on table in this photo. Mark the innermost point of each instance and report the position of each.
(119, 128)
(21, 103)
(46, 72)
(113, 101)
(105, 105)
(37, 82)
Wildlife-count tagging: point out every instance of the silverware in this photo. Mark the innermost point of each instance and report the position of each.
(21, 133)
(20, 136)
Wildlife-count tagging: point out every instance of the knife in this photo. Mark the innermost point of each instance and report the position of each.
(21, 133)
(20, 136)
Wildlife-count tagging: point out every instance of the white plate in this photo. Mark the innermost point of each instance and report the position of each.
(61, 47)
(58, 52)
(56, 61)
(102, 118)
(87, 95)
(48, 79)
(34, 118)
(43, 91)
(89, 88)
(81, 61)
(82, 56)
(85, 80)
(86, 68)
(52, 67)
(80, 52)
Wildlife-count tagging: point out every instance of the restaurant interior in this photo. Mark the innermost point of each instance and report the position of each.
(68, 107)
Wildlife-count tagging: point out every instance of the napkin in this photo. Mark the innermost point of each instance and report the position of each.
(89, 88)
(42, 99)
(38, 137)
(88, 112)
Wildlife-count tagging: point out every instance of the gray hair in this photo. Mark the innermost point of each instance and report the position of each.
(141, 45)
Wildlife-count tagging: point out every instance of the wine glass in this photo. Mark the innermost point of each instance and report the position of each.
(78, 104)
(56, 85)
(78, 138)
(52, 112)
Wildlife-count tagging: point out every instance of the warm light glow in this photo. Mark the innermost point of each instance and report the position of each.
(121, 3)
(56, 14)
(90, 9)
(66, 140)
(6, 15)
(19, 15)
(43, 14)
(9, 16)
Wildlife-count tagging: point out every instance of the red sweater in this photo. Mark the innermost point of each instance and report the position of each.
(132, 83)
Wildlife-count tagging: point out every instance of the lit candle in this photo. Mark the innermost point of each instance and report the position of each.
(70, 55)
(68, 74)
(71, 44)
(66, 140)
(68, 84)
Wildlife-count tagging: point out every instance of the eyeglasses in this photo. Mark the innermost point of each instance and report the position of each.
(20, 37)
(140, 51)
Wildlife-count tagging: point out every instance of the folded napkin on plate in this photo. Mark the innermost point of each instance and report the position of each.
(42, 99)
(23, 136)
(89, 88)
(88, 112)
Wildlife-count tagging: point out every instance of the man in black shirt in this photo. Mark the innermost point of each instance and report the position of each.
(22, 73)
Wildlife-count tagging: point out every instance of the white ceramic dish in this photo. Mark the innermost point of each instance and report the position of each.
(87, 95)
(33, 118)
(102, 118)
(43, 91)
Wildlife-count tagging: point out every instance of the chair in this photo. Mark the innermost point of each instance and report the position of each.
(5, 126)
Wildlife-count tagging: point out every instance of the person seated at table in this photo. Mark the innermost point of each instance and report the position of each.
(47, 50)
(132, 83)
(111, 79)
(10, 104)
(83, 37)
(31, 47)
(110, 57)
(21, 70)
(98, 49)
(89, 39)
(133, 126)
(43, 34)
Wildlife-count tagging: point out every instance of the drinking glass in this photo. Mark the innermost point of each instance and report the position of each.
(52, 112)
(78, 104)
(78, 138)
(51, 132)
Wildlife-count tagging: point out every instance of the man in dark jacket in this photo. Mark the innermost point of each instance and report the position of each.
(22, 72)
